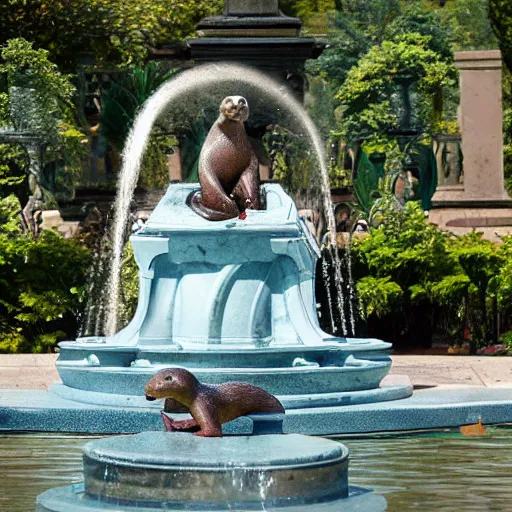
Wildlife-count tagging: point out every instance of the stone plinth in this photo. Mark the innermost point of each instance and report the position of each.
(256, 33)
(492, 222)
(480, 193)
(156, 471)
(206, 473)
(482, 134)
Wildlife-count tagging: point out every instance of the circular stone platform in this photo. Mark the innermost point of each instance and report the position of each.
(175, 471)
(176, 468)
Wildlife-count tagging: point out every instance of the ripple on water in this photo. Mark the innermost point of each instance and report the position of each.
(30, 464)
(441, 473)
(445, 473)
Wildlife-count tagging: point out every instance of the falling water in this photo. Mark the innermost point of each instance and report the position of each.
(97, 277)
(265, 482)
(350, 289)
(327, 283)
(187, 82)
(246, 477)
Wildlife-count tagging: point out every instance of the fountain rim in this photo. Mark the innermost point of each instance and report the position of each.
(337, 455)
(221, 469)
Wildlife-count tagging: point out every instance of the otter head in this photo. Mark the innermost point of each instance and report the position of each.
(176, 383)
(235, 108)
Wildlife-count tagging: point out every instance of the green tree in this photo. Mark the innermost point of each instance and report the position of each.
(115, 32)
(481, 261)
(405, 275)
(353, 29)
(126, 96)
(306, 8)
(470, 24)
(500, 13)
(365, 95)
(43, 285)
(413, 18)
(51, 113)
(26, 67)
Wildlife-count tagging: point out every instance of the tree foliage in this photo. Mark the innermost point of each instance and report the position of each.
(26, 67)
(115, 32)
(500, 13)
(43, 281)
(410, 273)
(366, 93)
(126, 96)
(304, 9)
(51, 114)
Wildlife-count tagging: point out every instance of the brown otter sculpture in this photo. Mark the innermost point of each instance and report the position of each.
(210, 406)
(228, 166)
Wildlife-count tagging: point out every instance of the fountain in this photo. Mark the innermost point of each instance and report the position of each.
(225, 299)
(232, 299)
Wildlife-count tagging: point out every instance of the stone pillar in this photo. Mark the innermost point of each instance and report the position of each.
(479, 201)
(481, 122)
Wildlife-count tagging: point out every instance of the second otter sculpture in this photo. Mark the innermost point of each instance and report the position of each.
(210, 406)
(228, 166)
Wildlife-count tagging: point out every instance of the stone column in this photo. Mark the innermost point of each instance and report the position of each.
(479, 201)
(481, 122)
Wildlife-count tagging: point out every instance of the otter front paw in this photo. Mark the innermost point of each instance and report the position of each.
(168, 422)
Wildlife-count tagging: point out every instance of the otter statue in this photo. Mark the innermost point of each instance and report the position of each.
(210, 406)
(228, 166)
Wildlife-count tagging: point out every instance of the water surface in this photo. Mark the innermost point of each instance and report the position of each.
(435, 472)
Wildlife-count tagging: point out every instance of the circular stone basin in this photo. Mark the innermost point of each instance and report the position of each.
(183, 469)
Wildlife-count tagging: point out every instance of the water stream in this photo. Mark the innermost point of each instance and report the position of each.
(187, 83)
(97, 276)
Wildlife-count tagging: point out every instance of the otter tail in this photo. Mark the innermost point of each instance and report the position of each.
(194, 201)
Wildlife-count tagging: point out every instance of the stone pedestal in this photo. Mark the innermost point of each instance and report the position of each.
(256, 33)
(182, 472)
(479, 201)
(229, 300)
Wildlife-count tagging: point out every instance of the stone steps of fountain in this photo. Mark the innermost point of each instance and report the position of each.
(396, 389)
(334, 351)
(355, 375)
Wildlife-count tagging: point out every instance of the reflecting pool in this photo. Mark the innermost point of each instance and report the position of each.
(442, 471)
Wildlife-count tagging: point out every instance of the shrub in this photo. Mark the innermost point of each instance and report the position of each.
(412, 277)
(44, 283)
